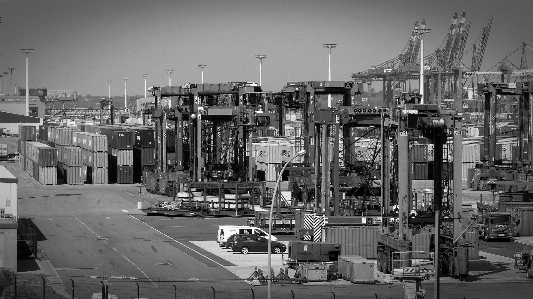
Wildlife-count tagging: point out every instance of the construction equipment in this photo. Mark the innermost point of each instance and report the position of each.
(213, 125)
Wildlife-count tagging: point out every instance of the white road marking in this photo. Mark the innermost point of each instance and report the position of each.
(105, 240)
(177, 241)
(124, 211)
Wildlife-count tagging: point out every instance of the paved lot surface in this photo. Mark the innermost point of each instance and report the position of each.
(88, 233)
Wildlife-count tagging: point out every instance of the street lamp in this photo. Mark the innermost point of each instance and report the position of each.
(5, 82)
(11, 83)
(125, 92)
(202, 66)
(145, 75)
(420, 31)
(109, 88)
(170, 77)
(329, 46)
(260, 57)
(27, 51)
(269, 290)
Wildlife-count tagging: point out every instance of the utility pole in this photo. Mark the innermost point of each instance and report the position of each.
(260, 57)
(170, 77)
(145, 75)
(27, 51)
(109, 89)
(421, 30)
(202, 66)
(125, 92)
(1, 76)
(11, 83)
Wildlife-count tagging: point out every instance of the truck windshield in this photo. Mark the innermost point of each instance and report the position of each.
(504, 219)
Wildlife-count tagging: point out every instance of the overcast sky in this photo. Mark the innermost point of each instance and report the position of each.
(81, 44)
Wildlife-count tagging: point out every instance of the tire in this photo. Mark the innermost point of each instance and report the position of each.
(244, 250)
(276, 250)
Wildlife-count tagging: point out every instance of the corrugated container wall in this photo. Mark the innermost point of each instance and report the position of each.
(354, 240)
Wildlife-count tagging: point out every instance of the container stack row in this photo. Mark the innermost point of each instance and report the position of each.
(94, 156)
(120, 153)
(143, 152)
(40, 161)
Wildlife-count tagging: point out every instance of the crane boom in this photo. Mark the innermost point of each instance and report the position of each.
(479, 48)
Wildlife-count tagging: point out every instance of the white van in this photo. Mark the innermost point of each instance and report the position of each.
(226, 231)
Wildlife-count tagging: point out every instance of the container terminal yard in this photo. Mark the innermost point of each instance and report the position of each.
(317, 190)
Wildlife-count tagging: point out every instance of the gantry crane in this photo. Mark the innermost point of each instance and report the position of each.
(214, 125)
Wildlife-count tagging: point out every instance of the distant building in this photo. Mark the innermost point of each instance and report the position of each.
(13, 112)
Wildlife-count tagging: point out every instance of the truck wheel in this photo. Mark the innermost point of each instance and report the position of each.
(276, 250)
(244, 250)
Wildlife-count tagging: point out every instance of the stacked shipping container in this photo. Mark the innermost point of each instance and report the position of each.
(41, 162)
(144, 152)
(94, 156)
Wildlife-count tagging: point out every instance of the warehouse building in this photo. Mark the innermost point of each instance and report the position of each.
(8, 220)
(13, 112)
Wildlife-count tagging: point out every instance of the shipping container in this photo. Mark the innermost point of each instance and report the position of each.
(97, 159)
(8, 189)
(27, 133)
(356, 269)
(97, 143)
(148, 156)
(47, 175)
(74, 175)
(125, 174)
(71, 156)
(97, 175)
(122, 140)
(124, 157)
(354, 240)
(420, 171)
(419, 153)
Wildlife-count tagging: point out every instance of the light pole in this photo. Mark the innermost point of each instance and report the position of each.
(274, 195)
(202, 66)
(1, 76)
(170, 77)
(109, 88)
(420, 31)
(145, 75)
(260, 57)
(11, 83)
(329, 46)
(5, 82)
(125, 92)
(27, 51)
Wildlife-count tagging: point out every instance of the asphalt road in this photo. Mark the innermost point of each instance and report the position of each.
(89, 233)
